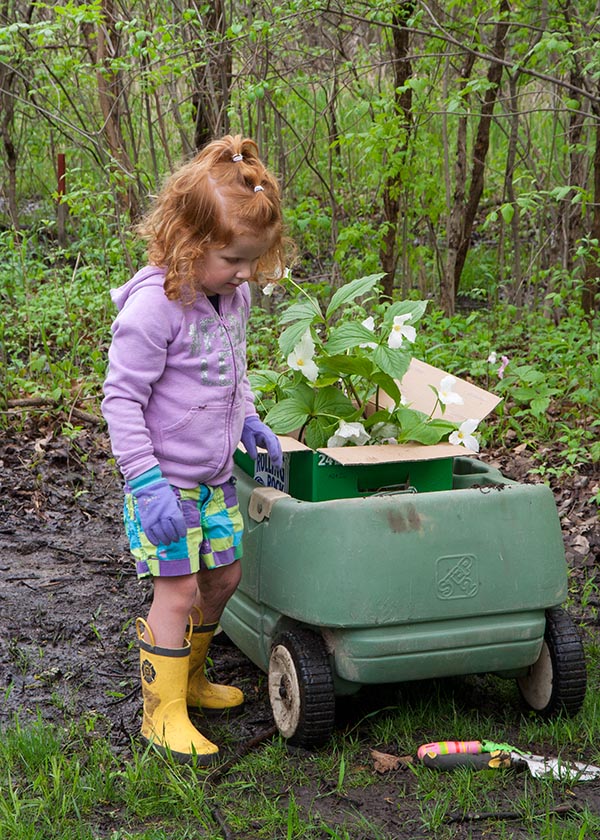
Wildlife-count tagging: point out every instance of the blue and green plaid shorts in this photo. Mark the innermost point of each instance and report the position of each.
(213, 539)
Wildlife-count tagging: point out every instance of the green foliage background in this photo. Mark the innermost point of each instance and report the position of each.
(126, 91)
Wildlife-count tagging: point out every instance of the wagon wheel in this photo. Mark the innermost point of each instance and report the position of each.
(557, 681)
(301, 688)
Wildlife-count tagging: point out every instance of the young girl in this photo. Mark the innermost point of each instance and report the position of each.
(177, 403)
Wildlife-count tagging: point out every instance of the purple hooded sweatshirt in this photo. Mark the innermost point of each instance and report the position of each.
(176, 391)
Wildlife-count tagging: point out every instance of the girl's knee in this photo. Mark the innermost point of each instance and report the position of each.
(223, 580)
(180, 592)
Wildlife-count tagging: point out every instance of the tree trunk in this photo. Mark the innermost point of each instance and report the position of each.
(482, 142)
(392, 188)
(457, 209)
(571, 212)
(509, 189)
(110, 98)
(8, 80)
(212, 77)
(591, 284)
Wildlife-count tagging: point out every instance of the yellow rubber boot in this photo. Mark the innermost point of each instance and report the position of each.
(165, 723)
(201, 693)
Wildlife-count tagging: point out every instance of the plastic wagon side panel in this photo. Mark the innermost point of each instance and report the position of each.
(413, 558)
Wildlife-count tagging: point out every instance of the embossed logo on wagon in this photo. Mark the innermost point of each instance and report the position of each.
(456, 576)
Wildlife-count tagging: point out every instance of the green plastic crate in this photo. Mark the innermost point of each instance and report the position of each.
(314, 477)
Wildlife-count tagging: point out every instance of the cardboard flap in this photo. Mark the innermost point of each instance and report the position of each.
(415, 389)
(392, 453)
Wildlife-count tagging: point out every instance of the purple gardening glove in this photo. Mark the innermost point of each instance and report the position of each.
(160, 512)
(255, 433)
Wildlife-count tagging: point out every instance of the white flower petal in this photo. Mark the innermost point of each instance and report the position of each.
(409, 332)
(471, 443)
(349, 432)
(369, 323)
(395, 339)
(310, 370)
(450, 398)
(445, 393)
(469, 426)
(463, 435)
(301, 357)
(400, 331)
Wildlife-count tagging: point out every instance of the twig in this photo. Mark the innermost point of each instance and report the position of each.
(471, 816)
(14, 406)
(220, 821)
(123, 699)
(216, 775)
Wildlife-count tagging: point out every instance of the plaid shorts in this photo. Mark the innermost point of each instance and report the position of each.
(214, 533)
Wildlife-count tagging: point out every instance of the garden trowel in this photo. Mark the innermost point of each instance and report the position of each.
(446, 755)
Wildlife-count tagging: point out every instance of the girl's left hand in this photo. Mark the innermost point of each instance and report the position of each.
(255, 433)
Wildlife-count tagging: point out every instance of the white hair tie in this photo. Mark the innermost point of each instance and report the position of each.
(258, 188)
(237, 158)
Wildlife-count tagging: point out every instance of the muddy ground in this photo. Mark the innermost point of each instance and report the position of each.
(68, 598)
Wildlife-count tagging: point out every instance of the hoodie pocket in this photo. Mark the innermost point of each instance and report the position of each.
(200, 437)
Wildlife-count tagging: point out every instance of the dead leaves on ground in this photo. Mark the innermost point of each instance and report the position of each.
(384, 762)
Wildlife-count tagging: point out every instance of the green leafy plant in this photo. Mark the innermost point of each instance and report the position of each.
(340, 360)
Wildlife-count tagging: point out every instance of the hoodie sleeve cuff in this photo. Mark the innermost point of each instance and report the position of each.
(151, 476)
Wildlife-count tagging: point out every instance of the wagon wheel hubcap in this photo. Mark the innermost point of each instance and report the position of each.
(284, 691)
(536, 685)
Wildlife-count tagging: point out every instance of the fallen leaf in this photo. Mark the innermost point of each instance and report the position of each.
(41, 443)
(582, 543)
(384, 762)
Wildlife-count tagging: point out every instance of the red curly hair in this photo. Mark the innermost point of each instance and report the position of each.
(207, 202)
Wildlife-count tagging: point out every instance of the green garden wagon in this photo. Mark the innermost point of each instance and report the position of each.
(398, 571)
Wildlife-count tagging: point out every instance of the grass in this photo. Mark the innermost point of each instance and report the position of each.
(65, 782)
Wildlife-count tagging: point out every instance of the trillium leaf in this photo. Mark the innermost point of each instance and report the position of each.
(318, 432)
(394, 362)
(263, 380)
(305, 310)
(332, 403)
(387, 384)
(414, 308)
(416, 427)
(343, 365)
(292, 336)
(352, 290)
(347, 336)
(380, 416)
(286, 416)
(326, 378)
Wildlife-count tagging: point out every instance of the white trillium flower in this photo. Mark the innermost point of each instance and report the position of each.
(301, 357)
(369, 323)
(445, 393)
(269, 289)
(349, 433)
(464, 435)
(492, 357)
(400, 331)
